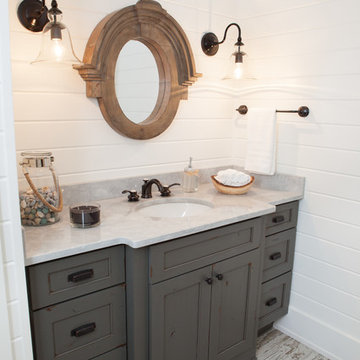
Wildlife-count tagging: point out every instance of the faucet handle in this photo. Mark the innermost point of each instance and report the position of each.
(166, 189)
(133, 195)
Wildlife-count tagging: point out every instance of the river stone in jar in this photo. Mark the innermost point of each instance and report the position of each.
(34, 212)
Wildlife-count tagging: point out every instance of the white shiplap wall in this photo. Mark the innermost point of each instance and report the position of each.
(15, 343)
(303, 52)
(308, 53)
(52, 111)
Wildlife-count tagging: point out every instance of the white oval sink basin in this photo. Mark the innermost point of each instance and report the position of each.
(174, 208)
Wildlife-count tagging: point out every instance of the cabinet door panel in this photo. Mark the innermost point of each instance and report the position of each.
(233, 307)
(179, 317)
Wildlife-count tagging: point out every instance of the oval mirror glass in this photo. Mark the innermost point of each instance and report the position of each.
(136, 81)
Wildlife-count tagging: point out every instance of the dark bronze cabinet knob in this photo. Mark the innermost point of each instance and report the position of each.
(220, 276)
(209, 281)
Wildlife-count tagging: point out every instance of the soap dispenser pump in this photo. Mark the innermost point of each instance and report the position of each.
(191, 178)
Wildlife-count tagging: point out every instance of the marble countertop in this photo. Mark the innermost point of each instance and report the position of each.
(122, 224)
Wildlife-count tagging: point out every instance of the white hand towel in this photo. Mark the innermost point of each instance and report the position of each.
(261, 141)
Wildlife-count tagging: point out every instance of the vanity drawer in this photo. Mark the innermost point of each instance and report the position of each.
(278, 254)
(182, 255)
(284, 218)
(275, 295)
(82, 328)
(64, 279)
(117, 354)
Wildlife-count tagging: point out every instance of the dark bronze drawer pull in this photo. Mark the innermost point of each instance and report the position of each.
(275, 256)
(209, 281)
(220, 276)
(271, 302)
(83, 330)
(81, 275)
(278, 219)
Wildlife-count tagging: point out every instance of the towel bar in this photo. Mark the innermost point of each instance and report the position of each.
(302, 111)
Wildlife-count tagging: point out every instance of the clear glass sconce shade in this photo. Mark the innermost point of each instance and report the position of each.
(235, 67)
(56, 46)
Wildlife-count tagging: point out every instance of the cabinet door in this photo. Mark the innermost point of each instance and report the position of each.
(233, 307)
(179, 317)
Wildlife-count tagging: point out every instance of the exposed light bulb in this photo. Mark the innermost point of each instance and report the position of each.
(57, 49)
(238, 70)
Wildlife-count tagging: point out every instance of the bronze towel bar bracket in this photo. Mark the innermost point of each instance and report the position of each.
(302, 111)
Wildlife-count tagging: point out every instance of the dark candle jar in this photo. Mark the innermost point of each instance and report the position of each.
(85, 216)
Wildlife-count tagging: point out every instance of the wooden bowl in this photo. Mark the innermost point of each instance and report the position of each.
(231, 190)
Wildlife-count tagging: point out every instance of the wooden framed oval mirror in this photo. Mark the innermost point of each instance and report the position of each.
(145, 25)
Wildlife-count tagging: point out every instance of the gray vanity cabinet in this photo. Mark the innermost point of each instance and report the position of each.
(201, 298)
(198, 297)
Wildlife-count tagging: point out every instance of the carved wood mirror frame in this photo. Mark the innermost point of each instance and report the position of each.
(149, 23)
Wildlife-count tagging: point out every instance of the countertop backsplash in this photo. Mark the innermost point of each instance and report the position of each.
(109, 189)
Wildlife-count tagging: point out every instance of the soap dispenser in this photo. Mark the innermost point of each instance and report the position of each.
(190, 178)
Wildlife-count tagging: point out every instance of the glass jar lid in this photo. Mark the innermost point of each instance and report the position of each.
(37, 159)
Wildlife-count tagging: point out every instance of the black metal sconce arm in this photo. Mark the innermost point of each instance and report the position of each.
(210, 43)
(239, 41)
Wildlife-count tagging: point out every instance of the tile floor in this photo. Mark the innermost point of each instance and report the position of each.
(274, 345)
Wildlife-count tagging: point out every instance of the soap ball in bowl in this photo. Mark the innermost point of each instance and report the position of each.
(232, 182)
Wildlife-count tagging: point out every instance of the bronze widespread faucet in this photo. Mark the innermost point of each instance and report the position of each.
(147, 185)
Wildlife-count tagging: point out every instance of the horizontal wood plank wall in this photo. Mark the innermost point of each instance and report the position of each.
(302, 52)
(307, 53)
(52, 111)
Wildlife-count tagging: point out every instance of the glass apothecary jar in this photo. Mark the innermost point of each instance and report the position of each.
(42, 202)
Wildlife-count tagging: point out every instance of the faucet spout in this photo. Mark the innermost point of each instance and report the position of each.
(146, 188)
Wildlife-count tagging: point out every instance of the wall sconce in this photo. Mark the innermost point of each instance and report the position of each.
(56, 46)
(210, 46)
